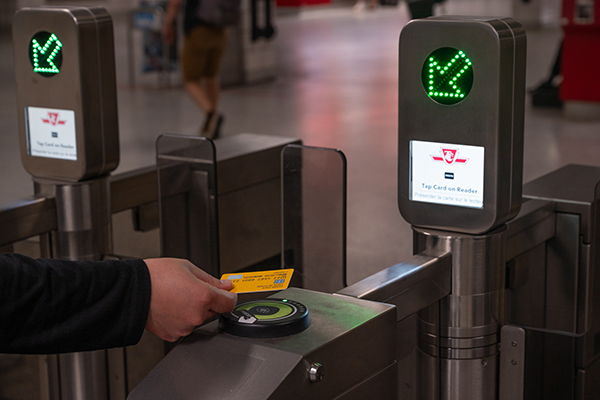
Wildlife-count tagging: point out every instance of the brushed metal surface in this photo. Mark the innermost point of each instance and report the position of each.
(562, 272)
(572, 188)
(83, 376)
(26, 218)
(410, 286)
(82, 217)
(85, 85)
(353, 339)
(512, 363)
(83, 232)
(491, 116)
(469, 378)
(477, 260)
(458, 335)
(535, 224)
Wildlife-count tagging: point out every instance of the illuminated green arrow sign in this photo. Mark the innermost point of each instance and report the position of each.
(45, 53)
(447, 75)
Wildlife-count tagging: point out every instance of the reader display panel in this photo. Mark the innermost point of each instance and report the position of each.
(444, 173)
(51, 133)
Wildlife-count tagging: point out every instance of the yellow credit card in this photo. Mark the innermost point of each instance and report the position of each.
(262, 281)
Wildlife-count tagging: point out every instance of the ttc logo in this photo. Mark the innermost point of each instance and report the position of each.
(449, 156)
(53, 119)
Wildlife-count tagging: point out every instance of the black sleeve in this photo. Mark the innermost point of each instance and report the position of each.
(55, 306)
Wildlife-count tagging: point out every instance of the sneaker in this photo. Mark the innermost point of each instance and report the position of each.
(212, 126)
(207, 119)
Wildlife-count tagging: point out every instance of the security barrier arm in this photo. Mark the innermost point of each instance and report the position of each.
(26, 218)
(426, 277)
(411, 285)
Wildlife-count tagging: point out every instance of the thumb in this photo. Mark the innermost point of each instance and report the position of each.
(223, 301)
(224, 284)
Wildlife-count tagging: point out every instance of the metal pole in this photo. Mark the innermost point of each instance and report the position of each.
(459, 336)
(83, 233)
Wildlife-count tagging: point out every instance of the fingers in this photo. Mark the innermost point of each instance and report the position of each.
(211, 298)
(222, 300)
(183, 296)
(224, 284)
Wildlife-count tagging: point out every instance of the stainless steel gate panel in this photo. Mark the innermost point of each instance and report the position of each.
(353, 340)
(553, 286)
(374, 387)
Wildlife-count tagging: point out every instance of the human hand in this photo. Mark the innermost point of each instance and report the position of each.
(183, 296)
(168, 33)
(168, 29)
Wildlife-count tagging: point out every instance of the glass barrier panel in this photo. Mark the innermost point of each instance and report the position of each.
(314, 217)
(187, 189)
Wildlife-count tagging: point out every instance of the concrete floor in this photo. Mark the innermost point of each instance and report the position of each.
(336, 86)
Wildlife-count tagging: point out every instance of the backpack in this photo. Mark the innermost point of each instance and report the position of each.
(219, 12)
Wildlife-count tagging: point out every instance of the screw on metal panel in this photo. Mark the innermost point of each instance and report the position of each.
(316, 371)
(514, 344)
(484, 362)
(513, 362)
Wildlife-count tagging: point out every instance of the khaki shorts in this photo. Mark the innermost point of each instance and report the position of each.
(202, 52)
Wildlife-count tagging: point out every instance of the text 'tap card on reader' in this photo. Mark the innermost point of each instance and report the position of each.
(262, 281)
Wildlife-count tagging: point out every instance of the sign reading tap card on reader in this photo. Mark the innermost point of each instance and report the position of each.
(262, 281)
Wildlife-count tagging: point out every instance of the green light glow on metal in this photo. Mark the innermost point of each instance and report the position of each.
(447, 75)
(45, 53)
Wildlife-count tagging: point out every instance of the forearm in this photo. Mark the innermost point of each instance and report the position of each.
(52, 306)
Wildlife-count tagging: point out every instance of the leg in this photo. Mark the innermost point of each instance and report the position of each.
(201, 96)
(213, 89)
(196, 61)
(210, 90)
(201, 63)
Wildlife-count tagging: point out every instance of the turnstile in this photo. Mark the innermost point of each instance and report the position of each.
(542, 294)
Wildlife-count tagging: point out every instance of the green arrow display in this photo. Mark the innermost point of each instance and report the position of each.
(45, 53)
(447, 75)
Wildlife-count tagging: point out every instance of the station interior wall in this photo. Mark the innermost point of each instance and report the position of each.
(546, 12)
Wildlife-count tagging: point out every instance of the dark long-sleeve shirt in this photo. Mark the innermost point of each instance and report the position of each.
(56, 306)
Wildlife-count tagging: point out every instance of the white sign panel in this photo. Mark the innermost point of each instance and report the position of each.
(445, 173)
(51, 133)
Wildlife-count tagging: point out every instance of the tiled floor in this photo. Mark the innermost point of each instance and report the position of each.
(336, 86)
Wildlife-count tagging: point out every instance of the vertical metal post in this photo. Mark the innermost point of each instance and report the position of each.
(83, 218)
(84, 233)
(458, 337)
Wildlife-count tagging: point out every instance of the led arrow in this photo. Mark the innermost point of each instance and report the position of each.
(447, 75)
(45, 53)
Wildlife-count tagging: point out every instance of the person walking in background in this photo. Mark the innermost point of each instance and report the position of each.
(365, 4)
(203, 48)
